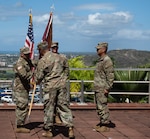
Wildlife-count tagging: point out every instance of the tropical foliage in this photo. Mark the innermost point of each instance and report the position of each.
(76, 87)
(77, 62)
(128, 75)
(130, 87)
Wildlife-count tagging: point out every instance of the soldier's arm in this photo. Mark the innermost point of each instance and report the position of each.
(23, 70)
(109, 71)
(66, 69)
(39, 72)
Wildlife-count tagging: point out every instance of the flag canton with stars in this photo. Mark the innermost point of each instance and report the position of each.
(29, 42)
(30, 32)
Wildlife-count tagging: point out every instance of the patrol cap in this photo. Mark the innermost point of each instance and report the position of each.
(42, 45)
(102, 44)
(25, 50)
(54, 44)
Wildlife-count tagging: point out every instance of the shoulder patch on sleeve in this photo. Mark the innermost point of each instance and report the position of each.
(20, 67)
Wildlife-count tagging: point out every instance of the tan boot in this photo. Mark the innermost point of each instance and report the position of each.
(96, 127)
(71, 133)
(22, 130)
(102, 128)
(47, 134)
(57, 120)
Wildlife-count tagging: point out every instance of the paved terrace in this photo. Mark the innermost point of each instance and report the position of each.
(132, 121)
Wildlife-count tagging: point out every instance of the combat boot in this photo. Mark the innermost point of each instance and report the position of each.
(70, 132)
(96, 127)
(102, 129)
(47, 134)
(57, 120)
(22, 130)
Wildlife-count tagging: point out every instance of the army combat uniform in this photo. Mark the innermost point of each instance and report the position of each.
(23, 74)
(54, 49)
(50, 71)
(103, 80)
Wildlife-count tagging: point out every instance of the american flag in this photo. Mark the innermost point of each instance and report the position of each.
(47, 36)
(29, 42)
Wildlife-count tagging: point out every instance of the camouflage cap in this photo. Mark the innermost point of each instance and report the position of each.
(25, 50)
(42, 45)
(102, 44)
(54, 44)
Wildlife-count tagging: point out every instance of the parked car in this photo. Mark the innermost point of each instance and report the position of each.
(7, 98)
(8, 91)
(37, 88)
(2, 94)
(36, 98)
(1, 90)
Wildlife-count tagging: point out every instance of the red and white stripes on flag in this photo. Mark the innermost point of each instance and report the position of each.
(29, 42)
(47, 36)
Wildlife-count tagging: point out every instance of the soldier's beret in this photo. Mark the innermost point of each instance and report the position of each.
(102, 44)
(25, 50)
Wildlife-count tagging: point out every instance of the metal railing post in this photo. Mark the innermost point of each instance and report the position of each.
(41, 93)
(149, 87)
(68, 89)
(82, 91)
(149, 93)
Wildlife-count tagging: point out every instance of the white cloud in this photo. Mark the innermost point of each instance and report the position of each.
(103, 6)
(111, 19)
(122, 16)
(18, 5)
(102, 24)
(95, 19)
(43, 19)
(132, 34)
(7, 14)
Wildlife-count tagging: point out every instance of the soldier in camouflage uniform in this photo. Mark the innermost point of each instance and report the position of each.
(54, 49)
(23, 74)
(103, 81)
(49, 71)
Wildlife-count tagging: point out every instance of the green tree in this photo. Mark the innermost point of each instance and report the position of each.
(77, 62)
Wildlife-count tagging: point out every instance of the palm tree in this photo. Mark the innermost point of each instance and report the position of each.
(134, 87)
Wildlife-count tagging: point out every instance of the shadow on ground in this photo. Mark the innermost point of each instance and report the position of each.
(58, 129)
(33, 125)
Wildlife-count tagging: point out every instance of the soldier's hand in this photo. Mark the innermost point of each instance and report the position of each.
(106, 91)
(32, 83)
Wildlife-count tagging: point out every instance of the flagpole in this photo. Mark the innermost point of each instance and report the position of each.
(29, 42)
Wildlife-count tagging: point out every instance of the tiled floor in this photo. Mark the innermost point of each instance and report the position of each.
(129, 124)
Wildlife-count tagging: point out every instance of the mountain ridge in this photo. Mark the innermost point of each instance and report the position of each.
(125, 58)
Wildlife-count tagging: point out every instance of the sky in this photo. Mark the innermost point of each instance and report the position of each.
(78, 25)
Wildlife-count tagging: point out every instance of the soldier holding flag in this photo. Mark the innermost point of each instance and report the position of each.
(23, 74)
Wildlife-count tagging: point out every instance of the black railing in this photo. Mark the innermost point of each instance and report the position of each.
(82, 91)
